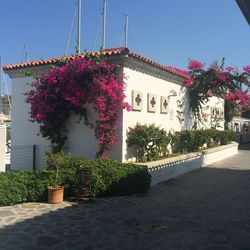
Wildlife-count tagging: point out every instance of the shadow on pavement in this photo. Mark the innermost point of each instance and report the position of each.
(206, 209)
(244, 146)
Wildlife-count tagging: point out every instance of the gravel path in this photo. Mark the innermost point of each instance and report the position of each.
(206, 209)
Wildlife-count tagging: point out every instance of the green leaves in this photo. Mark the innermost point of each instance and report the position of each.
(221, 82)
(108, 177)
(151, 142)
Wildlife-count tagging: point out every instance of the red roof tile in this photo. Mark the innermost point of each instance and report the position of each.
(106, 52)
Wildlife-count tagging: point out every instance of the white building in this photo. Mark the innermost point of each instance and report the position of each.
(154, 91)
(241, 126)
(2, 146)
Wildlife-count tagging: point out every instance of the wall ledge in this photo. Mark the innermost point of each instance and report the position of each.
(183, 157)
(169, 168)
(220, 148)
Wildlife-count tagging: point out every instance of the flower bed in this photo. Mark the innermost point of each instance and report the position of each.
(152, 143)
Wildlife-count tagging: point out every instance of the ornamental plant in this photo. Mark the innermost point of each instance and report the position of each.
(196, 140)
(223, 82)
(150, 141)
(70, 88)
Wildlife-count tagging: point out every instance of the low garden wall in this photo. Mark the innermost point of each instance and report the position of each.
(219, 153)
(169, 168)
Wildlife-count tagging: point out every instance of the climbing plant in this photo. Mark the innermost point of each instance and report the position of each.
(72, 86)
(219, 81)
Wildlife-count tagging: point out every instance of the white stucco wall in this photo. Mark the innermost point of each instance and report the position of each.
(82, 142)
(2, 147)
(23, 132)
(149, 84)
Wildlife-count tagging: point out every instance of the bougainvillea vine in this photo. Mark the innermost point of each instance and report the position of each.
(219, 81)
(71, 88)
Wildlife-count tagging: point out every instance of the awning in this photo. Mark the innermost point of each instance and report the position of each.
(245, 8)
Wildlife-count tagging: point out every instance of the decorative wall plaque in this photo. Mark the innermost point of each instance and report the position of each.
(152, 102)
(137, 100)
(164, 104)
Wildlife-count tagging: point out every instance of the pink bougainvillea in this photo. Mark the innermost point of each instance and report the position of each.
(239, 98)
(70, 88)
(221, 82)
(194, 64)
(247, 69)
(229, 68)
(188, 83)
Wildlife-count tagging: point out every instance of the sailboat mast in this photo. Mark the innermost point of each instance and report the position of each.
(78, 47)
(126, 30)
(26, 58)
(104, 24)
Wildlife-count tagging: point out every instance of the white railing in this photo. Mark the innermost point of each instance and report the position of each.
(22, 157)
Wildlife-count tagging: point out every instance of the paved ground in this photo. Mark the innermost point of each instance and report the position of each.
(206, 209)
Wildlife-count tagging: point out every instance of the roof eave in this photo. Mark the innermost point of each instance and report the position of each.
(114, 55)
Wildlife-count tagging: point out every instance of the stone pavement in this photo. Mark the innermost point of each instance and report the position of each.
(206, 209)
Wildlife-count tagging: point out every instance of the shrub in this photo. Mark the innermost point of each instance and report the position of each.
(13, 188)
(151, 142)
(16, 187)
(214, 137)
(226, 137)
(201, 137)
(186, 141)
(189, 140)
(37, 182)
(108, 178)
(194, 140)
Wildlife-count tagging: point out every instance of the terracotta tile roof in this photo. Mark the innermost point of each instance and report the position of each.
(106, 52)
(171, 69)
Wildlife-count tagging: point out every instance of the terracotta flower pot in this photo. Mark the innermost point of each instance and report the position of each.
(55, 195)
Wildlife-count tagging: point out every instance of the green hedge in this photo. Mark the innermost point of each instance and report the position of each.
(16, 187)
(152, 143)
(190, 140)
(194, 140)
(108, 178)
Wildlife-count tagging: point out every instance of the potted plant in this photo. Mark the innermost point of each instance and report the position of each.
(55, 191)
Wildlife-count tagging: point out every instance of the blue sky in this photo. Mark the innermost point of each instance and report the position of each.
(167, 31)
